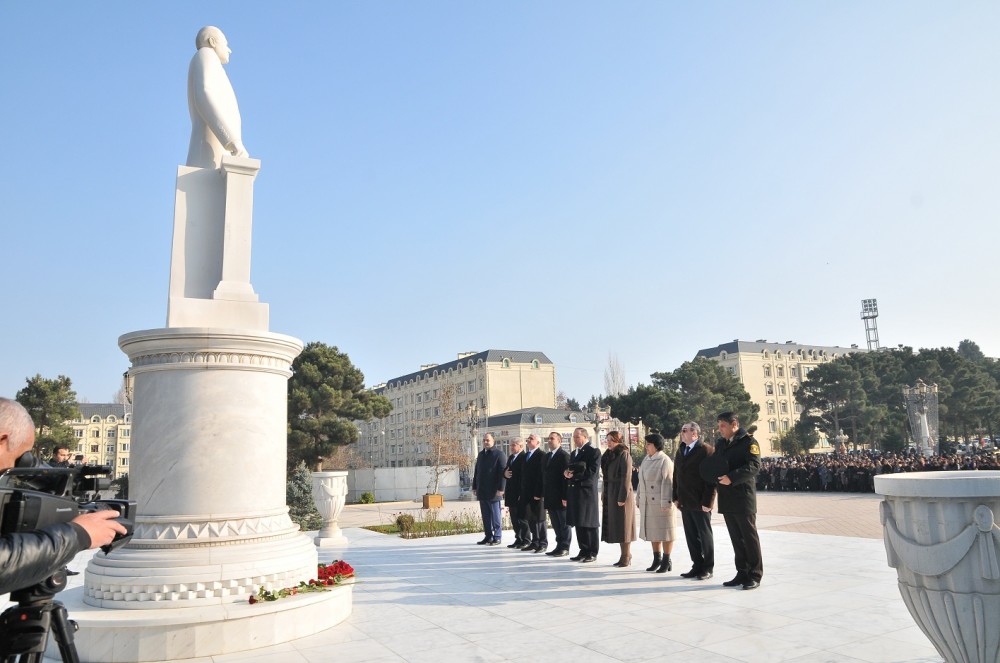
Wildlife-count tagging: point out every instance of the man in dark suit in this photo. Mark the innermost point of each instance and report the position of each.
(514, 473)
(556, 462)
(532, 494)
(582, 507)
(488, 486)
(738, 499)
(694, 497)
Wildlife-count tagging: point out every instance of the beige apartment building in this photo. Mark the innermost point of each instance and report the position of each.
(480, 385)
(103, 434)
(771, 374)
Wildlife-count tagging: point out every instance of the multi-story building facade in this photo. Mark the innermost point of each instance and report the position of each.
(771, 374)
(466, 393)
(103, 434)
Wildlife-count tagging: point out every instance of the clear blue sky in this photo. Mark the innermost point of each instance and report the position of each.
(644, 178)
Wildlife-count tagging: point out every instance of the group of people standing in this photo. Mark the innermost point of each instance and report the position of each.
(532, 482)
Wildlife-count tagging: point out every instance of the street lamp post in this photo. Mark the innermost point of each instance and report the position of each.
(472, 420)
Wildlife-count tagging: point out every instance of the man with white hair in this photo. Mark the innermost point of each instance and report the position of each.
(27, 558)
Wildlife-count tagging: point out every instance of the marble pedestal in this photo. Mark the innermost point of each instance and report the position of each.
(942, 538)
(208, 474)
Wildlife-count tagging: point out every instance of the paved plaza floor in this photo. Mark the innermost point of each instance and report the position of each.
(827, 595)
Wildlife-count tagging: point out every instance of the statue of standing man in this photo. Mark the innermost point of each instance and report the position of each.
(215, 116)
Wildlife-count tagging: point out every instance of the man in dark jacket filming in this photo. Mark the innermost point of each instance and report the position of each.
(27, 558)
(737, 495)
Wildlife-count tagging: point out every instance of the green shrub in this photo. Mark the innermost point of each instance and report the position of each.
(404, 522)
(367, 497)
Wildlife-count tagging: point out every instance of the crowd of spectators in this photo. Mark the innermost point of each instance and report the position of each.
(855, 471)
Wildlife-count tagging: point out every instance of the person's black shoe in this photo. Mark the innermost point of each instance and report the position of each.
(72, 573)
(541, 549)
(689, 574)
(577, 558)
(735, 582)
(495, 542)
(559, 553)
(751, 584)
(703, 576)
(530, 548)
(516, 544)
(588, 558)
(552, 553)
(483, 542)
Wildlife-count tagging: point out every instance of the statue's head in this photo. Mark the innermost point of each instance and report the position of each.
(212, 37)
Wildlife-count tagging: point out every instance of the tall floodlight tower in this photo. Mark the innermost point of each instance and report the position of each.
(869, 313)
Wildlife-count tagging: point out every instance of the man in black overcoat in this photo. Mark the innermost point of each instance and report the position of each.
(582, 499)
(556, 462)
(488, 484)
(738, 499)
(532, 494)
(695, 497)
(514, 474)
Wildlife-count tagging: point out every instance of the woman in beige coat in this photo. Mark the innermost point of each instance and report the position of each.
(656, 507)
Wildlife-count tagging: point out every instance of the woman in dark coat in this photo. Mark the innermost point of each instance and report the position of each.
(618, 504)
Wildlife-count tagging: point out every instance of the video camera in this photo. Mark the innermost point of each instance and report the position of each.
(34, 495)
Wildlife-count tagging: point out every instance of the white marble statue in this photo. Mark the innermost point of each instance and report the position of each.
(215, 116)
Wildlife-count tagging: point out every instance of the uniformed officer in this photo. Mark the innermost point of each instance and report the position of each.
(737, 499)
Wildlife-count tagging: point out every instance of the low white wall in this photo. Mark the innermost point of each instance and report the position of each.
(397, 484)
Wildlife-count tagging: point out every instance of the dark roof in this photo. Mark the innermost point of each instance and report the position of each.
(103, 410)
(759, 346)
(527, 416)
(515, 356)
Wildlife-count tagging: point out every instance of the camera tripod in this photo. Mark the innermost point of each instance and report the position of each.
(24, 628)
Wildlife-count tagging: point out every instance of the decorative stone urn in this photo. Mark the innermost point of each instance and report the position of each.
(942, 538)
(330, 493)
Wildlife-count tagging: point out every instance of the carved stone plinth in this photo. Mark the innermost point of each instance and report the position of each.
(942, 538)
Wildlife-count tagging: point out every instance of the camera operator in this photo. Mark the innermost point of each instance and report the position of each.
(60, 457)
(30, 557)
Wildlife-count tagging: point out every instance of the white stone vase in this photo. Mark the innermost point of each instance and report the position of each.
(942, 538)
(330, 493)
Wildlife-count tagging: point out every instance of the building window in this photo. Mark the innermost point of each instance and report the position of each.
(95, 433)
(770, 407)
(767, 371)
(96, 419)
(123, 462)
(420, 398)
(769, 389)
(472, 386)
(781, 371)
(111, 432)
(94, 448)
(781, 389)
(482, 383)
(798, 409)
(538, 419)
(534, 363)
(78, 432)
(506, 363)
(784, 424)
(784, 407)
(793, 371)
(109, 450)
(126, 433)
(772, 426)
(460, 389)
(572, 418)
(732, 370)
